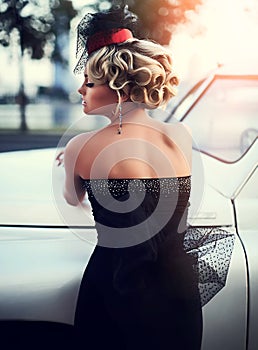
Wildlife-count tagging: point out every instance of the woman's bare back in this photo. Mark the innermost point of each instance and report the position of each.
(145, 149)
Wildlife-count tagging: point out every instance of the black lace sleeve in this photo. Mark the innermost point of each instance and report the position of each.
(212, 249)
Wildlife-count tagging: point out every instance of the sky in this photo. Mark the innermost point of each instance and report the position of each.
(222, 30)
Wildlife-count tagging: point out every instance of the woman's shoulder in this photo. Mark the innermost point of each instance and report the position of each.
(173, 129)
(76, 144)
(79, 140)
(175, 125)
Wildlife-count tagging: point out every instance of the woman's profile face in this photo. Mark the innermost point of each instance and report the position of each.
(96, 97)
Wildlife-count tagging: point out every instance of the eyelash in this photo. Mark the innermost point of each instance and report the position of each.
(89, 85)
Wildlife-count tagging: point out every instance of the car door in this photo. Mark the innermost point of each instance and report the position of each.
(246, 204)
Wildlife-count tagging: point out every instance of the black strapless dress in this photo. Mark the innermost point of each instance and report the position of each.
(140, 288)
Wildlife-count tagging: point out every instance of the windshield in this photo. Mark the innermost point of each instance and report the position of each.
(224, 121)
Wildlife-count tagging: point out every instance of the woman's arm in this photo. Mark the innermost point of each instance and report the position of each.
(74, 191)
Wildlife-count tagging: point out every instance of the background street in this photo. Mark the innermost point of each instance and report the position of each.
(14, 140)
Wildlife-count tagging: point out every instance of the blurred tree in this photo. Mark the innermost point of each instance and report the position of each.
(63, 12)
(33, 24)
(158, 17)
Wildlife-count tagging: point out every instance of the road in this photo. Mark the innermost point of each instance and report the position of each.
(15, 140)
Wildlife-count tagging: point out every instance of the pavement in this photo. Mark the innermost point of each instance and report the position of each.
(16, 140)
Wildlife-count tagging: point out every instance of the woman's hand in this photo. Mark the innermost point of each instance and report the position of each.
(60, 158)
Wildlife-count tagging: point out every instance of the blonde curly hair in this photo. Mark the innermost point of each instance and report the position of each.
(139, 69)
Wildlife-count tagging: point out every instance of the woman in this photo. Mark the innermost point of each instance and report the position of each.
(139, 289)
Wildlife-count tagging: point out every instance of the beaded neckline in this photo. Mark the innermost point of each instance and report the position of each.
(166, 185)
(139, 178)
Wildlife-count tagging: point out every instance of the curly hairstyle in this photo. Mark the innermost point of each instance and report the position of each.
(137, 68)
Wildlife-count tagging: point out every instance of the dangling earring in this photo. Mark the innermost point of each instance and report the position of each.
(119, 130)
(119, 109)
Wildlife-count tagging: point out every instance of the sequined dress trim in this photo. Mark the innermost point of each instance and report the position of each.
(158, 186)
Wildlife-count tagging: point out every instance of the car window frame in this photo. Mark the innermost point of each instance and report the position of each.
(202, 86)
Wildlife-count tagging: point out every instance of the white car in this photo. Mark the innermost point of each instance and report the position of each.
(43, 255)
(222, 113)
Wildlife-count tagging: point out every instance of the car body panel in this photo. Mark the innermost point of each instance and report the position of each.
(248, 238)
(27, 191)
(225, 316)
(41, 271)
(218, 172)
(246, 204)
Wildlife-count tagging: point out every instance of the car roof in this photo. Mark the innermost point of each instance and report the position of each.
(246, 68)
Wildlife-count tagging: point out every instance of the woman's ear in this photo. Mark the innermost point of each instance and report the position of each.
(124, 96)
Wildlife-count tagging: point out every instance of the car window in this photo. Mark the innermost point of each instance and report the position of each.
(224, 121)
(185, 103)
(250, 189)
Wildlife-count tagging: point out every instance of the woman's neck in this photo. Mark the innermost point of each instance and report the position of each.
(130, 112)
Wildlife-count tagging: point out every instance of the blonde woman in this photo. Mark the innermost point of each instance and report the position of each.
(139, 290)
